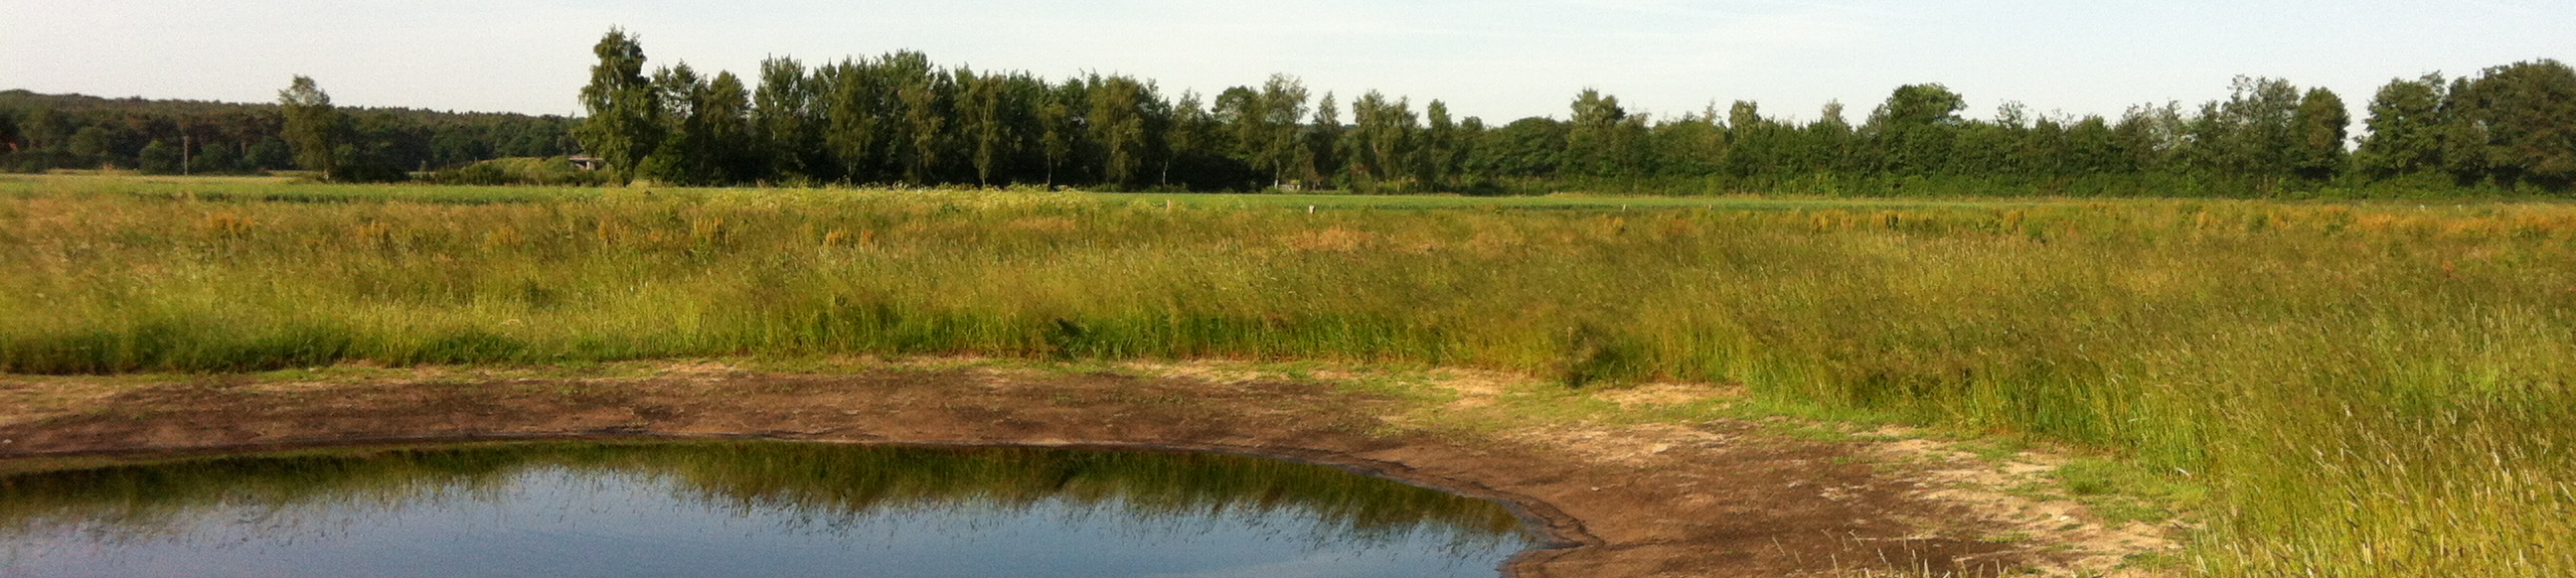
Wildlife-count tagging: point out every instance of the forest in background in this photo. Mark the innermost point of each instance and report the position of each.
(902, 120)
(40, 132)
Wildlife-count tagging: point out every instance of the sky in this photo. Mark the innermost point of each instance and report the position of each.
(1497, 59)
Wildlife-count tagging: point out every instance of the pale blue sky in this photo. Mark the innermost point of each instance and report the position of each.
(1499, 59)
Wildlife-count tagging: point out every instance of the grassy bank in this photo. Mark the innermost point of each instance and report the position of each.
(2374, 389)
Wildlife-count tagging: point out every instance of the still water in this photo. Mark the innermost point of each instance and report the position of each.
(741, 509)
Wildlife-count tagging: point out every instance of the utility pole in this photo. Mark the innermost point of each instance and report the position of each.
(183, 154)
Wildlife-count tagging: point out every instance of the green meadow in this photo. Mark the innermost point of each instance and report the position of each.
(2375, 389)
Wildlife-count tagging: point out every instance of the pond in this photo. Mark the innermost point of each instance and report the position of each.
(741, 509)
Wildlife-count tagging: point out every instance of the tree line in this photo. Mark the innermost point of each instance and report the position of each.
(39, 132)
(900, 119)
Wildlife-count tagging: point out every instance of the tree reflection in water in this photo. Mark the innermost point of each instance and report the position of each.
(884, 500)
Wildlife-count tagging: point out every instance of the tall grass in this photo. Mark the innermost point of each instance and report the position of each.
(2367, 389)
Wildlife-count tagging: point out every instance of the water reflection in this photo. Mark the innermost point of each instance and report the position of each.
(713, 509)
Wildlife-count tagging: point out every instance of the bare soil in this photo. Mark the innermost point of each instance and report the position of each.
(1720, 498)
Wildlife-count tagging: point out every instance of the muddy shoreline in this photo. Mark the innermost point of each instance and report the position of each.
(1717, 499)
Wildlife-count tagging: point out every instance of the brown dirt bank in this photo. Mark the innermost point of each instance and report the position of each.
(1719, 498)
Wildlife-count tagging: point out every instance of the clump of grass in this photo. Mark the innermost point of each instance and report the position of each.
(1595, 355)
(2124, 492)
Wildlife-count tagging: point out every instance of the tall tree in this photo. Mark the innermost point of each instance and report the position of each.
(2016, 145)
(1241, 115)
(1056, 125)
(1378, 147)
(11, 138)
(215, 158)
(1601, 140)
(2464, 133)
(1319, 155)
(1193, 134)
(2251, 135)
(2529, 111)
(383, 147)
(1022, 97)
(1526, 148)
(1471, 139)
(2092, 148)
(1117, 125)
(724, 116)
(925, 123)
(47, 128)
(1915, 130)
(160, 158)
(1752, 142)
(1828, 142)
(2044, 150)
(856, 119)
(1441, 150)
(681, 158)
(2147, 135)
(1283, 109)
(2317, 143)
(315, 129)
(625, 113)
(268, 154)
(1691, 146)
(984, 127)
(782, 116)
(94, 144)
(1156, 120)
(2405, 122)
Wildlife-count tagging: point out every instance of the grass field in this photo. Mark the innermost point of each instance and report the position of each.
(2362, 389)
(272, 189)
